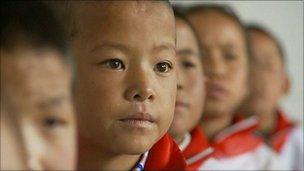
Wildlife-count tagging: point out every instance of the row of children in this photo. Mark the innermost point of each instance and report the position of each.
(109, 89)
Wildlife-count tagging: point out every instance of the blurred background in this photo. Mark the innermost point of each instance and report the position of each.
(285, 20)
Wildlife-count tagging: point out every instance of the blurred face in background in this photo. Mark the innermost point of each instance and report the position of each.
(224, 58)
(268, 79)
(190, 85)
(37, 83)
(126, 77)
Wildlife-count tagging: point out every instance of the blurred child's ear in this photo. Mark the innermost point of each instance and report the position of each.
(286, 85)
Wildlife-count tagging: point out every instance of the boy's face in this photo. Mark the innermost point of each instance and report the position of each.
(267, 75)
(38, 86)
(190, 86)
(224, 59)
(126, 78)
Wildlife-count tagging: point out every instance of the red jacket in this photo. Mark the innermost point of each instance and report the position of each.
(198, 151)
(281, 133)
(237, 139)
(165, 155)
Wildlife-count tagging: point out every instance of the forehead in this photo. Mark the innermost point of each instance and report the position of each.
(125, 22)
(30, 75)
(257, 38)
(262, 44)
(185, 36)
(213, 26)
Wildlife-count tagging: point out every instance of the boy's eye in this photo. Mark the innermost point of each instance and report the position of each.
(188, 64)
(52, 122)
(116, 64)
(230, 56)
(163, 67)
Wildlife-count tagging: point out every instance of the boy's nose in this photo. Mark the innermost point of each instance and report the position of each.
(140, 87)
(140, 94)
(216, 67)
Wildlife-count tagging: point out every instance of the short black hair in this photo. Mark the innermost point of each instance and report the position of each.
(261, 29)
(179, 13)
(33, 23)
(227, 11)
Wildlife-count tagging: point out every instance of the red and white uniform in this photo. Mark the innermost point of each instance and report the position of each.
(165, 155)
(238, 148)
(196, 149)
(287, 141)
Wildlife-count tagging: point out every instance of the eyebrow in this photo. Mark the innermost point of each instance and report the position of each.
(165, 46)
(52, 101)
(110, 45)
(185, 52)
(228, 46)
(125, 48)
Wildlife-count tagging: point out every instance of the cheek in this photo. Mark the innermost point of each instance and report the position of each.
(238, 75)
(265, 82)
(60, 151)
(165, 100)
(101, 89)
(59, 159)
(196, 94)
(194, 83)
(238, 82)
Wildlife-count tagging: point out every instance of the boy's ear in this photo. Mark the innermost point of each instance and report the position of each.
(286, 84)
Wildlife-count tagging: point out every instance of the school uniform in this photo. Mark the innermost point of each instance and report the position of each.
(196, 149)
(287, 141)
(165, 155)
(238, 148)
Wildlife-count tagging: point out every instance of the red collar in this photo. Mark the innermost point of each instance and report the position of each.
(198, 150)
(281, 132)
(165, 155)
(237, 139)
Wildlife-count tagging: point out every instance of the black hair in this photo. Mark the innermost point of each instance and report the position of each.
(261, 29)
(227, 11)
(179, 13)
(33, 23)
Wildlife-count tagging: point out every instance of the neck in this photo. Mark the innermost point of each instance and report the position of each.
(213, 124)
(93, 157)
(267, 122)
(179, 139)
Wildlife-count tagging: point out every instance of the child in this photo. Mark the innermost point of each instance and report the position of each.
(35, 81)
(190, 97)
(269, 82)
(125, 84)
(225, 61)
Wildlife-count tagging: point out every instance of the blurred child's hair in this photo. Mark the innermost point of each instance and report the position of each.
(32, 24)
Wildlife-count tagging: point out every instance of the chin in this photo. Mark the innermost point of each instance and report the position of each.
(135, 146)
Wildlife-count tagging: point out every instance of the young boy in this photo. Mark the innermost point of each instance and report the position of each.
(225, 62)
(125, 84)
(36, 84)
(269, 82)
(190, 97)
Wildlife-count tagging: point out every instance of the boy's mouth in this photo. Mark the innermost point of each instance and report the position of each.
(138, 120)
(181, 106)
(216, 91)
(139, 117)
